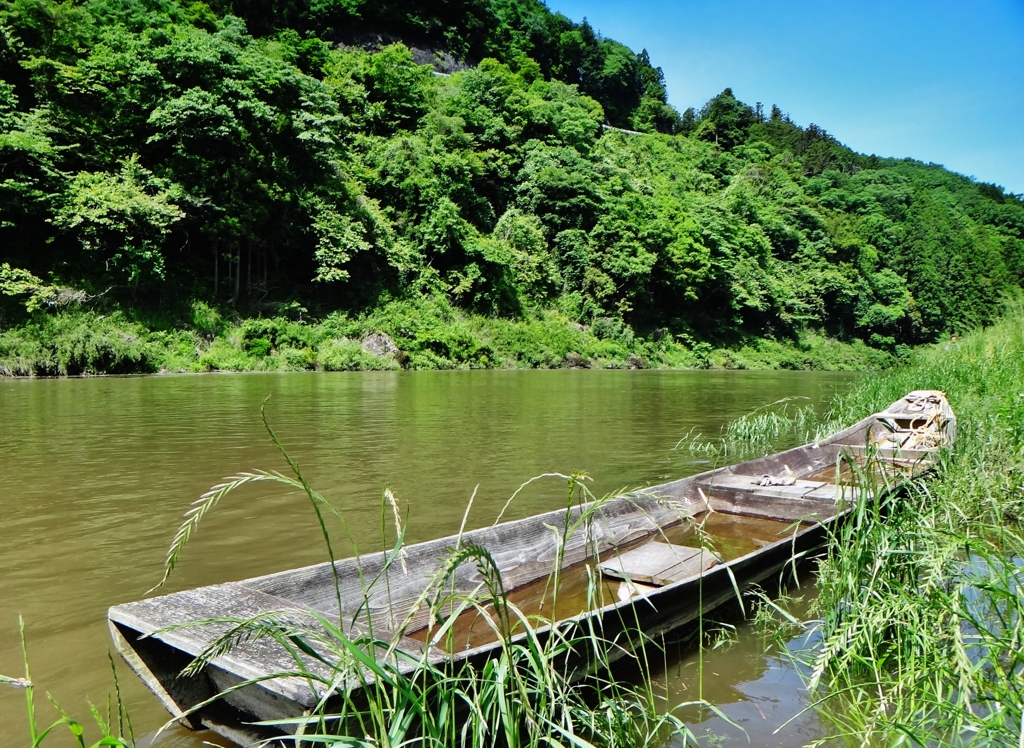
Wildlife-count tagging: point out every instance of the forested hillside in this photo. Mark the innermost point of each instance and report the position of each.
(262, 183)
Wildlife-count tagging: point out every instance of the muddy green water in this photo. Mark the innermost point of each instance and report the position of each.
(96, 473)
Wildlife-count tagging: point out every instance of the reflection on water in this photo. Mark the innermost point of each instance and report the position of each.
(752, 681)
(97, 473)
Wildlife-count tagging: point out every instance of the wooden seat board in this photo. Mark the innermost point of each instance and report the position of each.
(658, 563)
(827, 492)
(749, 483)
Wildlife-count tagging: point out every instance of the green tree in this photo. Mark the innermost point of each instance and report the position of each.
(120, 220)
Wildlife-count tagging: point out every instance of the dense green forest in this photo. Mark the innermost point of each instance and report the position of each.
(262, 183)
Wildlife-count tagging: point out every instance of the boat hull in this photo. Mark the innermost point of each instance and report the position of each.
(784, 492)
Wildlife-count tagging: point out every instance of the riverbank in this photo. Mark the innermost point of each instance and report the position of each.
(428, 335)
(921, 601)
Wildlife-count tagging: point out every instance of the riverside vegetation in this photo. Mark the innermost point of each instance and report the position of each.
(921, 615)
(918, 639)
(922, 597)
(236, 185)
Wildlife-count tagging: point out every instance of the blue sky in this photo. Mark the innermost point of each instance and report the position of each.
(941, 82)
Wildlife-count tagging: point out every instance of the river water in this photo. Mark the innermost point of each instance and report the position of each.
(95, 475)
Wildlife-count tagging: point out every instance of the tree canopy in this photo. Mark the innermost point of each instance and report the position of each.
(254, 153)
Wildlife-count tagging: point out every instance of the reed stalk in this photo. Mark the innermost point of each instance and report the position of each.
(110, 736)
(759, 432)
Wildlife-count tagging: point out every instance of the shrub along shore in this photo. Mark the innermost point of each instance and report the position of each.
(425, 334)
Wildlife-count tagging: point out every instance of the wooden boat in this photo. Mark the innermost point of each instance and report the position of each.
(650, 547)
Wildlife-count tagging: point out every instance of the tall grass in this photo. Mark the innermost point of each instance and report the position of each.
(921, 598)
(759, 432)
(114, 726)
(545, 683)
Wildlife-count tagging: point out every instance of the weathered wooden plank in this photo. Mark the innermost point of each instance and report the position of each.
(160, 671)
(774, 492)
(250, 658)
(174, 616)
(658, 563)
(828, 492)
(817, 505)
(917, 458)
(751, 483)
(648, 562)
(804, 500)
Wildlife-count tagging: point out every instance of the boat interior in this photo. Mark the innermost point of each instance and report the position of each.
(630, 545)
